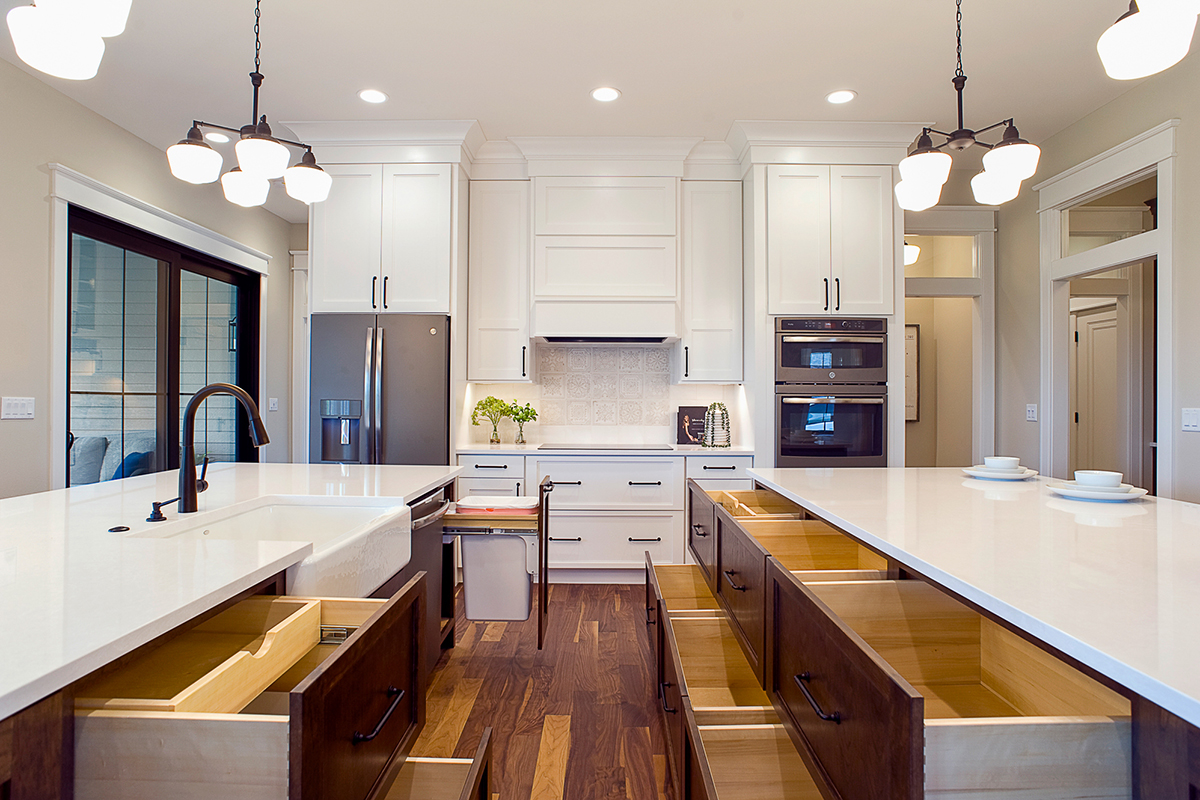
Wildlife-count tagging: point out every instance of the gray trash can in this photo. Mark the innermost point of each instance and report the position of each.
(498, 568)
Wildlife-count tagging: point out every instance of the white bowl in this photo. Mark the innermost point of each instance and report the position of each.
(1001, 462)
(1097, 477)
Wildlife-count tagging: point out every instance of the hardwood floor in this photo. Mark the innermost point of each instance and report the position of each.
(577, 720)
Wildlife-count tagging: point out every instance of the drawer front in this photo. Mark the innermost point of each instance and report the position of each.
(613, 483)
(497, 466)
(614, 540)
(876, 710)
(718, 467)
(740, 568)
(373, 686)
(671, 696)
(653, 609)
(489, 487)
(702, 532)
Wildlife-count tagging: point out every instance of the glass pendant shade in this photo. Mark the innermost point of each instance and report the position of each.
(928, 167)
(194, 161)
(1016, 161)
(1147, 42)
(992, 190)
(244, 189)
(98, 17)
(262, 156)
(911, 253)
(52, 42)
(307, 182)
(913, 196)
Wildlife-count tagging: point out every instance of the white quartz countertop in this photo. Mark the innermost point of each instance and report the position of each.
(74, 597)
(605, 450)
(1114, 585)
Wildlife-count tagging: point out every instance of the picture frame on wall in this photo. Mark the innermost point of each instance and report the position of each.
(912, 373)
(689, 425)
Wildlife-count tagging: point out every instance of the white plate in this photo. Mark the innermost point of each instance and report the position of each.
(1091, 494)
(1124, 488)
(999, 475)
(1014, 471)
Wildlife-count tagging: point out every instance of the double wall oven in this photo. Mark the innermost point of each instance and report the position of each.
(831, 392)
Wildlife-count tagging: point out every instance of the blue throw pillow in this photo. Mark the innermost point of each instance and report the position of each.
(134, 464)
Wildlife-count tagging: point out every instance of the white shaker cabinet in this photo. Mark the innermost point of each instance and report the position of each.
(830, 240)
(498, 347)
(710, 349)
(381, 242)
(604, 206)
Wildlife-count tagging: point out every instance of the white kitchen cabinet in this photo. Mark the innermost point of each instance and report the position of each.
(710, 348)
(381, 242)
(498, 347)
(612, 539)
(605, 267)
(830, 240)
(344, 241)
(604, 206)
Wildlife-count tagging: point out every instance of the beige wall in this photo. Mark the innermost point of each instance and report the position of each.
(1166, 96)
(39, 126)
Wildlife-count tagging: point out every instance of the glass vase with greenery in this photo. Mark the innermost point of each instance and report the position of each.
(521, 414)
(493, 409)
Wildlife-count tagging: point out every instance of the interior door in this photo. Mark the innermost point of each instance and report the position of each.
(1102, 394)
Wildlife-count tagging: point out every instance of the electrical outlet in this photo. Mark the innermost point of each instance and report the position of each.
(1031, 412)
(1191, 419)
(16, 408)
(273, 404)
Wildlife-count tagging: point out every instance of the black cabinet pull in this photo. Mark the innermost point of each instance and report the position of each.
(802, 681)
(374, 283)
(518, 488)
(568, 483)
(729, 573)
(826, 293)
(837, 306)
(662, 694)
(645, 483)
(576, 539)
(686, 362)
(523, 350)
(491, 466)
(397, 695)
(649, 621)
(706, 466)
(385, 280)
(696, 529)
(655, 539)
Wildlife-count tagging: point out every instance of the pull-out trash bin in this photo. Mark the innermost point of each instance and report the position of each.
(498, 536)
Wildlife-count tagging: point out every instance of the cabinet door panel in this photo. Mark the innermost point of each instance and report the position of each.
(617, 267)
(498, 284)
(416, 238)
(862, 249)
(712, 281)
(605, 206)
(344, 241)
(739, 579)
(798, 241)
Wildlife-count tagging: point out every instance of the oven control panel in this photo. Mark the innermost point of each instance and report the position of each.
(830, 325)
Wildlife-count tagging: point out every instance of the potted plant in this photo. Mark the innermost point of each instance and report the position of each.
(494, 409)
(521, 414)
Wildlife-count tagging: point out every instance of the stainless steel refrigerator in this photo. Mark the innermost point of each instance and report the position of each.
(379, 389)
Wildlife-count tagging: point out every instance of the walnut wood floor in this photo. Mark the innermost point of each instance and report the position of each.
(577, 720)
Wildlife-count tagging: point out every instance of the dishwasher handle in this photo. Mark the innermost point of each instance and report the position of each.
(429, 519)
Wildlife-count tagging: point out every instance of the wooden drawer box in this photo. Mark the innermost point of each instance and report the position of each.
(758, 503)
(329, 726)
(446, 778)
(949, 704)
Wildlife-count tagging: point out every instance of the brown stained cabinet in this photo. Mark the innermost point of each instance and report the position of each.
(701, 530)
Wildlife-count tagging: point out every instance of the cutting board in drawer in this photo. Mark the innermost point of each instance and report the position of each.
(333, 726)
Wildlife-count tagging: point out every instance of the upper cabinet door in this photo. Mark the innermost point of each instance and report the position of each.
(711, 242)
(863, 252)
(498, 348)
(604, 206)
(344, 241)
(798, 240)
(416, 238)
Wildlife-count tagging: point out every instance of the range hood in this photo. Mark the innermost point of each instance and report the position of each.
(625, 322)
(603, 339)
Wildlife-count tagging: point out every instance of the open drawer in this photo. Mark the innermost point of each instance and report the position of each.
(949, 704)
(727, 757)
(334, 723)
(757, 504)
(816, 551)
(446, 778)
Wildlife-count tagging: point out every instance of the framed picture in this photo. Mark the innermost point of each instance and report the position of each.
(912, 373)
(690, 426)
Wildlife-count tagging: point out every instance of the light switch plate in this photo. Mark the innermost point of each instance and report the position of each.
(16, 408)
(1031, 412)
(1191, 419)
(273, 404)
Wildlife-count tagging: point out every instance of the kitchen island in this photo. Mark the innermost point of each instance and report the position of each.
(1112, 586)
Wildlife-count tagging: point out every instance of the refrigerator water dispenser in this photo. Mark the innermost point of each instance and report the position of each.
(340, 420)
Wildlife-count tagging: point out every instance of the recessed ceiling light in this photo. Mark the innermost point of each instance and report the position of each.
(605, 94)
(841, 96)
(218, 138)
(373, 96)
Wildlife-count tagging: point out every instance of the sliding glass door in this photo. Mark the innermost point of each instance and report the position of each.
(150, 324)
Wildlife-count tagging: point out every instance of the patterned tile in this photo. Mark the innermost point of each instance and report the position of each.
(658, 412)
(553, 385)
(579, 412)
(604, 386)
(552, 359)
(631, 359)
(658, 360)
(604, 412)
(631, 387)
(552, 412)
(658, 387)
(579, 387)
(579, 359)
(631, 413)
(605, 359)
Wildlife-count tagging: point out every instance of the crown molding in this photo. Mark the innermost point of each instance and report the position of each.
(649, 156)
(392, 141)
(788, 141)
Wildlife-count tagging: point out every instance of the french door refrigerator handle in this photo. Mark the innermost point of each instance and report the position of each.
(378, 404)
(368, 414)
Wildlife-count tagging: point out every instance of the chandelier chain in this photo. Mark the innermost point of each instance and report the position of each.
(258, 44)
(958, 19)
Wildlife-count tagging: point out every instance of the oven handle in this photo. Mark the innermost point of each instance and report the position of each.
(853, 401)
(821, 339)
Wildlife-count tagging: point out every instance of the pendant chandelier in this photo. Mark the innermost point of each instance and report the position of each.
(1005, 165)
(261, 156)
(65, 38)
(1152, 36)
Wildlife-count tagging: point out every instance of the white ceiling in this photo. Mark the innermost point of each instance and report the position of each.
(686, 67)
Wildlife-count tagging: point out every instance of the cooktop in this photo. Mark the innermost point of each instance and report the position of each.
(604, 447)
